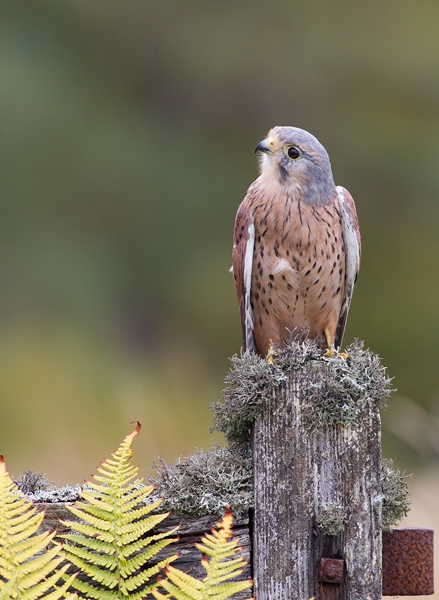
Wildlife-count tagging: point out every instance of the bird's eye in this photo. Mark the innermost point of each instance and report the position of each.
(293, 152)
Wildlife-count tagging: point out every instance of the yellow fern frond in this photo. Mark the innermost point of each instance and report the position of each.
(27, 572)
(109, 544)
(221, 569)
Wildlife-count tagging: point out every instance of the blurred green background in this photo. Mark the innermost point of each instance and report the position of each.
(127, 132)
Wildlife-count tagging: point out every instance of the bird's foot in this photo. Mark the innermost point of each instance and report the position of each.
(332, 352)
(271, 354)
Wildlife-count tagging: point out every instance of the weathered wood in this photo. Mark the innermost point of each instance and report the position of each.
(299, 472)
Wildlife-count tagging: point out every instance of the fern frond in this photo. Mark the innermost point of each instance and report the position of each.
(221, 569)
(109, 544)
(27, 572)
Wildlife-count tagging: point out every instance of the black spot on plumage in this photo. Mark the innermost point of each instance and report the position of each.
(271, 276)
(256, 296)
(300, 212)
(263, 290)
(289, 287)
(270, 301)
(308, 272)
(319, 269)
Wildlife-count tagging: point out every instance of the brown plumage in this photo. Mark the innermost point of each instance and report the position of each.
(296, 250)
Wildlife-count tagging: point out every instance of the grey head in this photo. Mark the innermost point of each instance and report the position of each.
(298, 160)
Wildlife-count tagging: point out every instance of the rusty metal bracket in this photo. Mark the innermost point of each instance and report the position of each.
(408, 562)
(331, 570)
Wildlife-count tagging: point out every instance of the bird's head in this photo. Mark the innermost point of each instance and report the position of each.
(296, 159)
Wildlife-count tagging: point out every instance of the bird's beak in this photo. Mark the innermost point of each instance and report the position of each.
(265, 146)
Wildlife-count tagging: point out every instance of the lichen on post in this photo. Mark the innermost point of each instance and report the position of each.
(317, 469)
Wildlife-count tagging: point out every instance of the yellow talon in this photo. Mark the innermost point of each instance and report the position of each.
(271, 354)
(344, 355)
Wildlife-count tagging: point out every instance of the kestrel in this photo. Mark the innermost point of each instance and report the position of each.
(296, 252)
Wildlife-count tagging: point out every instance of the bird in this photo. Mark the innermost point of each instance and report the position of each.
(296, 246)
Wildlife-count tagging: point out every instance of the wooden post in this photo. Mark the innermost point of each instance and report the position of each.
(304, 477)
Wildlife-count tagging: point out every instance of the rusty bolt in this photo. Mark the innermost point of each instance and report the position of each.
(331, 570)
(408, 565)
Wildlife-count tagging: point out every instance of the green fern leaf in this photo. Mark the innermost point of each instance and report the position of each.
(27, 572)
(221, 569)
(109, 544)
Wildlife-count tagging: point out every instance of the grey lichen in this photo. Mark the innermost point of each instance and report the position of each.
(344, 387)
(396, 494)
(334, 394)
(67, 493)
(40, 489)
(249, 383)
(206, 482)
(32, 482)
(331, 519)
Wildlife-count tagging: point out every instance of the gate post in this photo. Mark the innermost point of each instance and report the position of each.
(317, 463)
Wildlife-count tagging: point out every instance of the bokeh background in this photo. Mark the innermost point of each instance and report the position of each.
(127, 132)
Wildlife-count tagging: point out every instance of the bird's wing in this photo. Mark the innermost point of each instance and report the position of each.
(242, 264)
(352, 244)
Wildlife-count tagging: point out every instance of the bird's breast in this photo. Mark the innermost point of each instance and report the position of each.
(298, 265)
